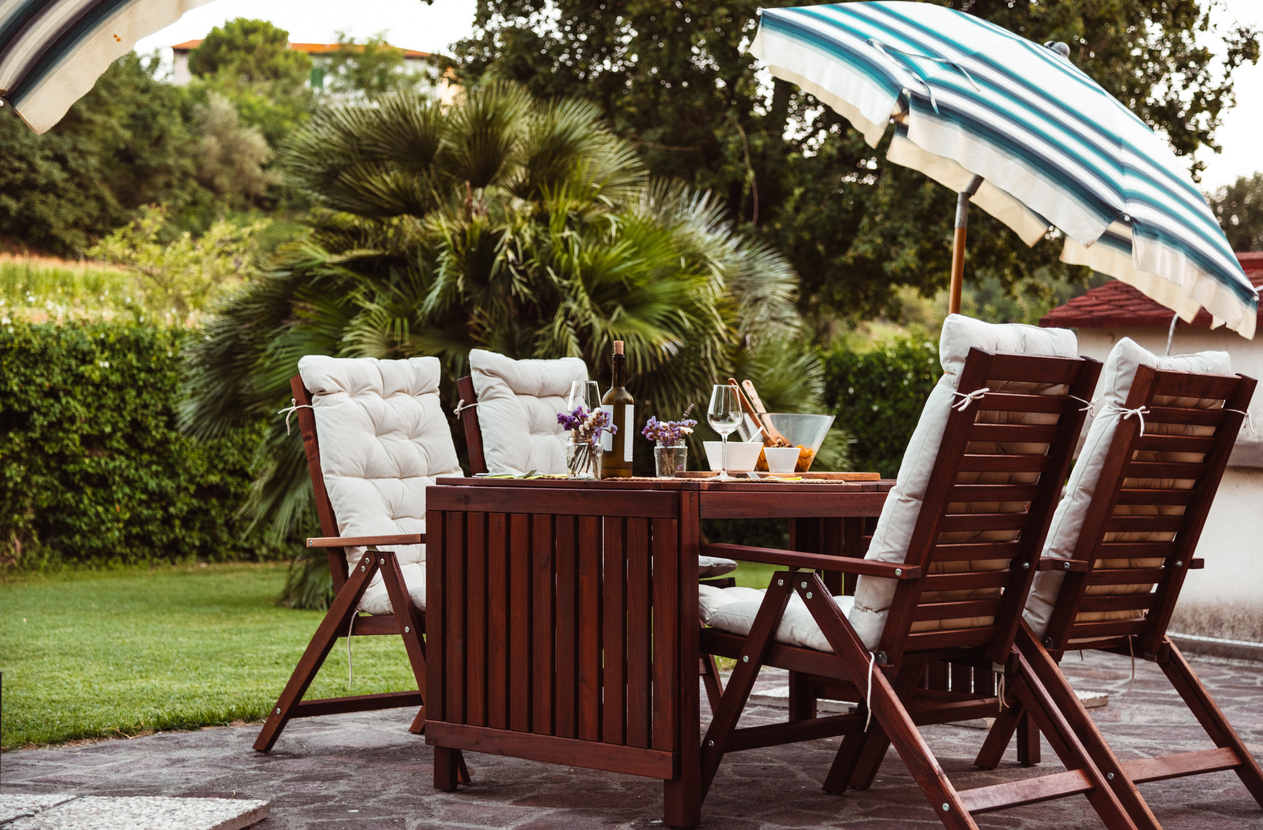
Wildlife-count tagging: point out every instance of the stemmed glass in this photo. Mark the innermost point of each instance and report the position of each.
(723, 414)
(586, 394)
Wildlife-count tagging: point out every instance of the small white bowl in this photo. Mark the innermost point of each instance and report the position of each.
(782, 459)
(742, 455)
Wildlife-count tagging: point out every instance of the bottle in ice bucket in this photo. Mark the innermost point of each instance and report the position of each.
(621, 407)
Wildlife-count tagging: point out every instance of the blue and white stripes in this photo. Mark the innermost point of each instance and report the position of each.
(52, 51)
(1052, 147)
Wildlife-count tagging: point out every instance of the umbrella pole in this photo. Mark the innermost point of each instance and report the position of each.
(958, 244)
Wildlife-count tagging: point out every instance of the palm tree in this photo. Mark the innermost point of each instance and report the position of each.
(502, 223)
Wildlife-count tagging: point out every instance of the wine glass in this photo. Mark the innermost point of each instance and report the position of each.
(586, 394)
(723, 414)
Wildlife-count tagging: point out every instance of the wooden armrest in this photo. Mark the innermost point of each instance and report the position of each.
(365, 541)
(797, 559)
(1048, 563)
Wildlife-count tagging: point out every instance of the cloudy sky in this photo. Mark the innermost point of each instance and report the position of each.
(430, 28)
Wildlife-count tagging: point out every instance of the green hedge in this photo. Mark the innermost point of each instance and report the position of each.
(93, 469)
(878, 396)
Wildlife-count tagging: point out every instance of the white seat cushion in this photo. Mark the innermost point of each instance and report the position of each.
(1063, 534)
(383, 440)
(518, 404)
(899, 514)
(709, 567)
(734, 609)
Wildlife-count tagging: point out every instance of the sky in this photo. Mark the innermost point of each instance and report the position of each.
(431, 28)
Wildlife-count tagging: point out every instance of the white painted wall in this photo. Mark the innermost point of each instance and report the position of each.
(1232, 541)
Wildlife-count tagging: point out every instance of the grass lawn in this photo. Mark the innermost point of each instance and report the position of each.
(40, 288)
(91, 654)
(88, 654)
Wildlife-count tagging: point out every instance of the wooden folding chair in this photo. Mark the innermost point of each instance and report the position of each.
(1134, 549)
(959, 596)
(350, 582)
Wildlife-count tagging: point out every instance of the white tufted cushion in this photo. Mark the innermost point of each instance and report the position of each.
(1063, 534)
(518, 404)
(383, 439)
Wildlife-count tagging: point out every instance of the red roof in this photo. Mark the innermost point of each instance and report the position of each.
(309, 48)
(1118, 305)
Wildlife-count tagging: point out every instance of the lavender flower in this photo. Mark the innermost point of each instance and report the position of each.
(586, 427)
(667, 433)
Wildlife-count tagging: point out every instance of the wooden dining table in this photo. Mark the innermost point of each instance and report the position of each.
(562, 615)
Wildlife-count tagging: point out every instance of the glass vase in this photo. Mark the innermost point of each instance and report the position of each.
(670, 461)
(583, 461)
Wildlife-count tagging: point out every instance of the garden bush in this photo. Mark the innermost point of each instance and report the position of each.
(93, 468)
(878, 396)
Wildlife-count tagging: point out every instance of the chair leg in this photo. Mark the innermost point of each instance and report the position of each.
(410, 625)
(334, 622)
(860, 755)
(710, 679)
(1060, 716)
(1208, 714)
(762, 632)
(1028, 753)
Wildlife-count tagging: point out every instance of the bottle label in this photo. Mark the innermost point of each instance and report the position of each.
(607, 439)
(629, 421)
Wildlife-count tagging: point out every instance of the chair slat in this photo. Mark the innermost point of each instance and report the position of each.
(1188, 385)
(1013, 402)
(971, 463)
(1195, 417)
(951, 638)
(976, 522)
(1015, 433)
(1126, 576)
(966, 581)
(1144, 524)
(1111, 628)
(1138, 496)
(1117, 602)
(1153, 469)
(961, 609)
(1033, 369)
(1136, 550)
(1175, 443)
(975, 551)
(964, 493)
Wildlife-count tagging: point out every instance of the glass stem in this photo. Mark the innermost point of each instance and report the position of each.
(723, 456)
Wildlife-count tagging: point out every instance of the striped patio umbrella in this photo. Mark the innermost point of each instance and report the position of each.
(1023, 133)
(52, 51)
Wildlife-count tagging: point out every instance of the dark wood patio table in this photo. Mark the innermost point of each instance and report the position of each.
(562, 615)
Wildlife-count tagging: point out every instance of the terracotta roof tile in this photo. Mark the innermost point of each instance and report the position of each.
(309, 48)
(1118, 305)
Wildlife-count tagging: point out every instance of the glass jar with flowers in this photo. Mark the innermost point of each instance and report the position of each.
(670, 454)
(583, 453)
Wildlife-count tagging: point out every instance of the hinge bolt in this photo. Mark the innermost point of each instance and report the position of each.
(745, 658)
(362, 569)
(946, 807)
(780, 582)
(381, 561)
(898, 571)
(407, 630)
(809, 595)
(278, 710)
(804, 584)
(1026, 566)
(1065, 566)
(1048, 642)
(1179, 563)
(710, 743)
(881, 657)
(1109, 776)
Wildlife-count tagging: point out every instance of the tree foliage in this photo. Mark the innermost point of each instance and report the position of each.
(125, 144)
(675, 80)
(503, 223)
(232, 157)
(369, 69)
(254, 51)
(1239, 209)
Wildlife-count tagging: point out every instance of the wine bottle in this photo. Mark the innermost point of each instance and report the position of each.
(620, 406)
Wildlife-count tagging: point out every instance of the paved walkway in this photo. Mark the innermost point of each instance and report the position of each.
(367, 772)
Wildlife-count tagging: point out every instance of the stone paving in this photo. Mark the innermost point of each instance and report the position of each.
(366, 772)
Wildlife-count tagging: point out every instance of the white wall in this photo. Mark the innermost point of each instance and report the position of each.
(1232, 541)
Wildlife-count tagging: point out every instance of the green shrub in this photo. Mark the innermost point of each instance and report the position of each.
(878, 396)
(93, 469)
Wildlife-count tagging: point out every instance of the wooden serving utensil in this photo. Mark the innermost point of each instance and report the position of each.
(750, 410)
(773, 435)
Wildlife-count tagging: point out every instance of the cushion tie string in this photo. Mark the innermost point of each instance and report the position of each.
(349, 629)
(1249, 423)
(293, 407)
(969, 397)
(1088, 406)
(461, 406)
(1131, 652)
(998, 670)
(868, 695)
(1140, 412)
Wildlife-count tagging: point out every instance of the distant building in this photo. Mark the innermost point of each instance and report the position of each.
(413, 61)
(1232, 541)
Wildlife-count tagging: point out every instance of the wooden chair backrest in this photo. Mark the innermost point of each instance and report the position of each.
(1143, 490)
(995, 484)
(306, 417)
(473, 429)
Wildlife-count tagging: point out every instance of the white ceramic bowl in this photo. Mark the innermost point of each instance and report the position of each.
(781, 459)
(742, 455)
